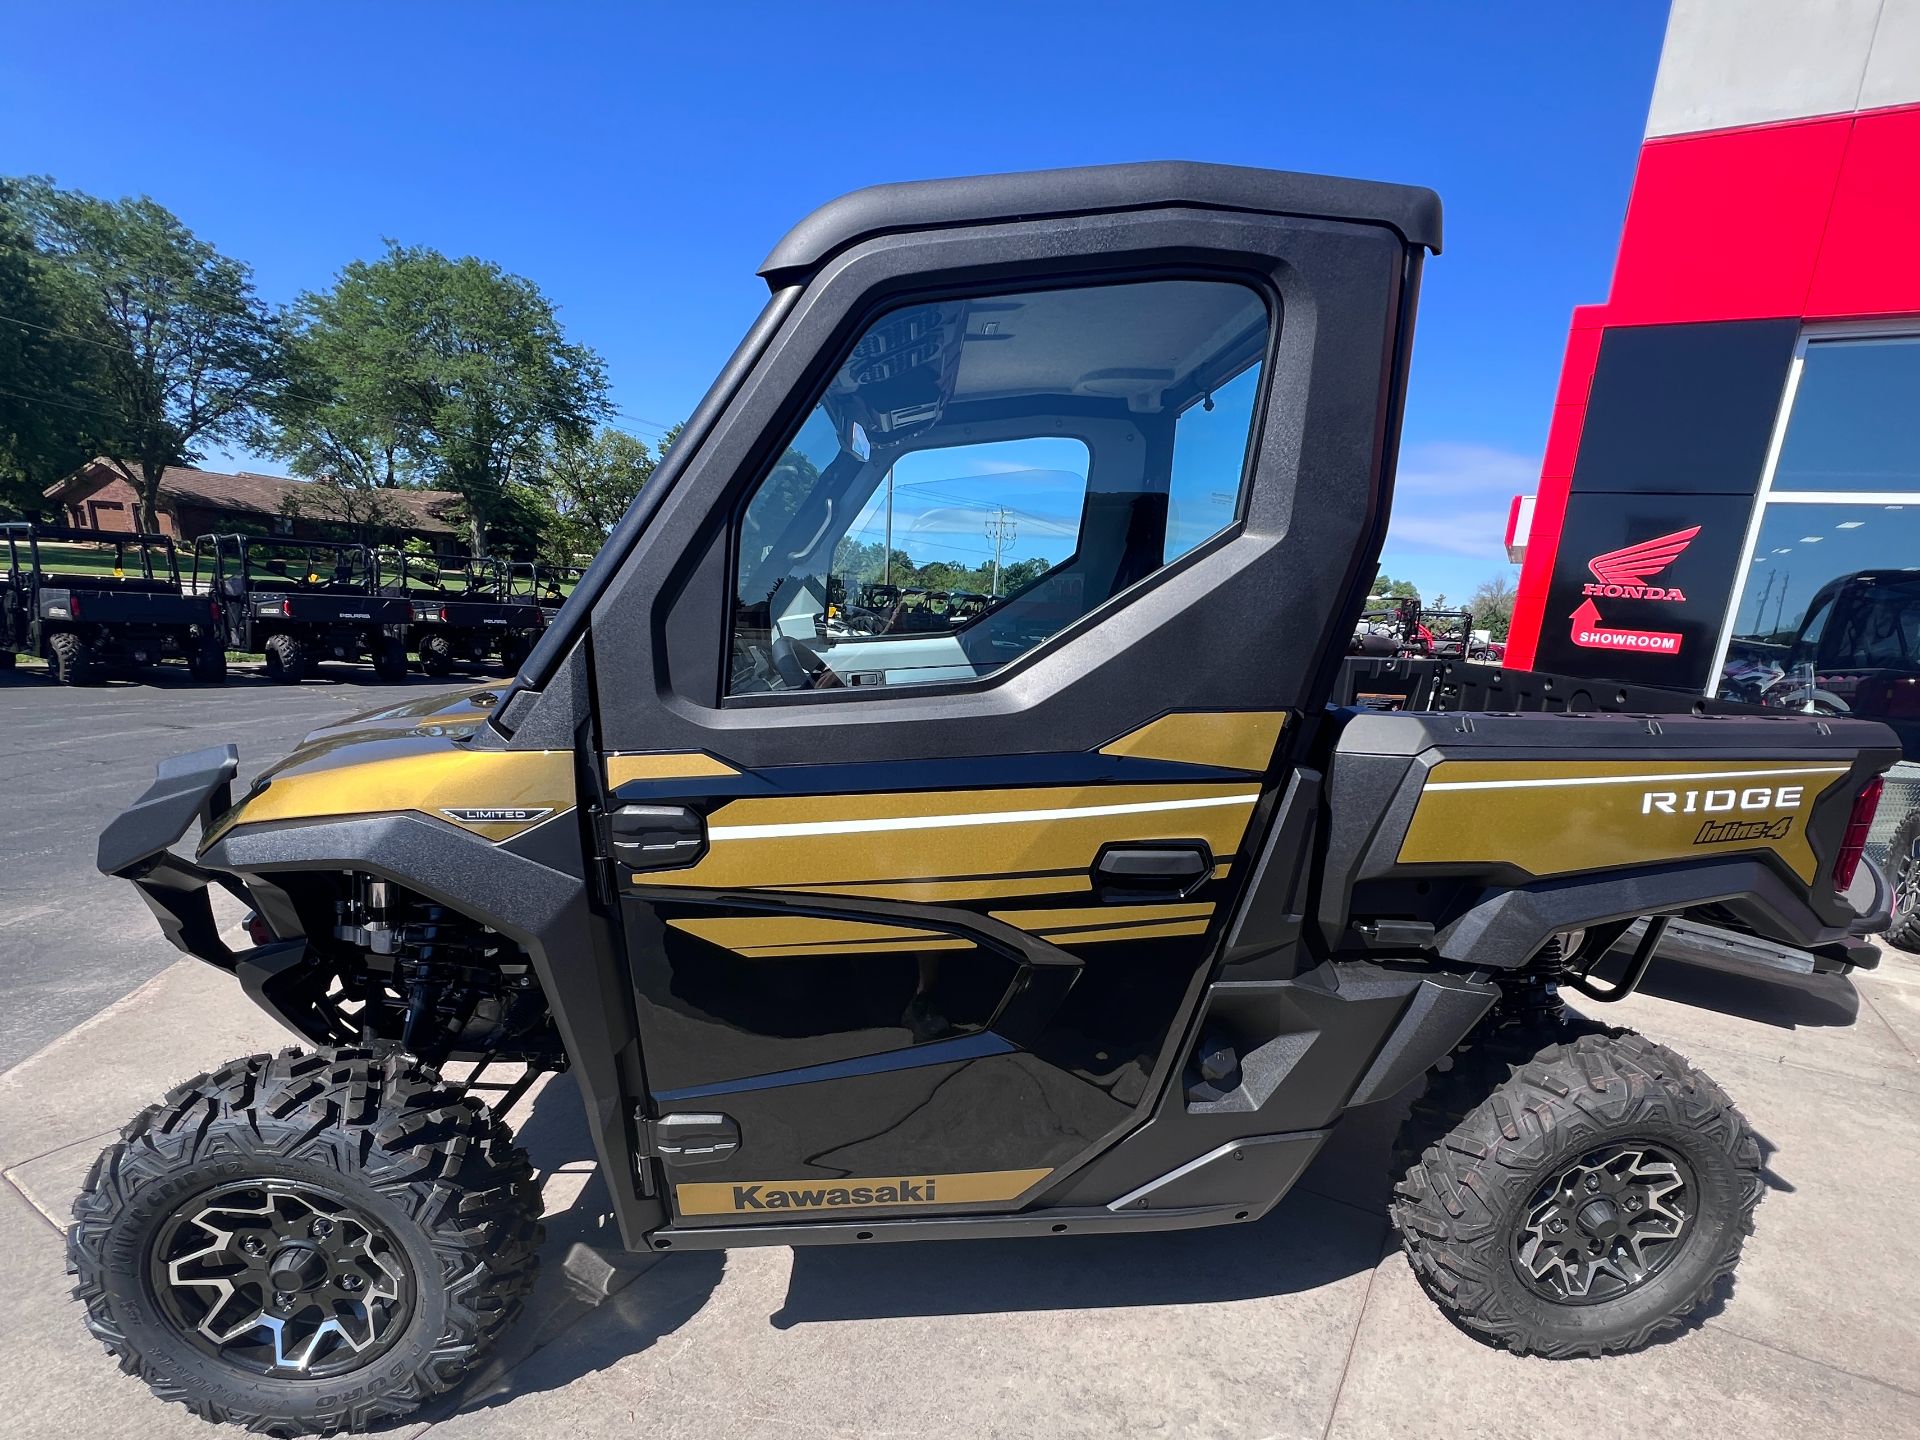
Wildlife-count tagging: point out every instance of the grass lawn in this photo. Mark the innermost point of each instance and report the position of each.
(61, 558)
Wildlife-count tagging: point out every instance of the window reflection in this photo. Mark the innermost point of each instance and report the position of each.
(1856, 418)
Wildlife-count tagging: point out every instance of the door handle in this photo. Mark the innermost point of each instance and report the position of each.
(656, 837)
(1156, 870)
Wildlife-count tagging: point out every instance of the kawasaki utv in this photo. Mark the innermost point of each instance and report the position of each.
(461, 614)
(298, 602)
(87, 601)
(1077, 917)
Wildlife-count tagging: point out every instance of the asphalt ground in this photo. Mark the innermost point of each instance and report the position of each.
(73, 941)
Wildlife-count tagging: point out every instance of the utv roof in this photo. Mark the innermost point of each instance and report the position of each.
(1412, 211)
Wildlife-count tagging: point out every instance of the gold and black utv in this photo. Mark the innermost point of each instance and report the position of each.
(1088, 913)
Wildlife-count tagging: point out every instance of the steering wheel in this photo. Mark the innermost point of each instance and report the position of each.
(799, 667)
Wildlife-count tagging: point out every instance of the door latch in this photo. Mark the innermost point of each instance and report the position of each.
(1151, 871)
(690, 1139)
(656, 837)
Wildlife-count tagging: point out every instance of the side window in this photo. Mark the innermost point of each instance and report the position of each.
(982, 473)
(1209, 456)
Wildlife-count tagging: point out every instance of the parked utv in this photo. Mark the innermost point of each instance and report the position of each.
(1856, 652)
(87, 601)
(547, 586)
(298, 602)
(465, 613)
(1081, 916)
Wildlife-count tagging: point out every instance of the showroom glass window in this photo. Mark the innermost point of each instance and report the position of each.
(982, 473)
(1828, 614)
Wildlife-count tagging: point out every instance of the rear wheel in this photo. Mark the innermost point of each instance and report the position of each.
(8, 659)
(71, 658)
(286, 659)
(209, 666)
(436, 654)
(304, 1242)
(1587, 1201)
(1903, 872)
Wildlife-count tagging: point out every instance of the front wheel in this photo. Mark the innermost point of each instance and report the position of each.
(1903, 873)
(306, 1242)
(1590, 1201)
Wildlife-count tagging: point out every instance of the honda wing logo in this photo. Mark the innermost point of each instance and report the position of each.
(1623, 574)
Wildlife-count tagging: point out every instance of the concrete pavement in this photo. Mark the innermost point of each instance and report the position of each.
(1306, 1325)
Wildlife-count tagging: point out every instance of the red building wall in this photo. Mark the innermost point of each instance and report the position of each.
(1815, 219)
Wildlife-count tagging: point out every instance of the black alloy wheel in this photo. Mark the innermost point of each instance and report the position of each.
(1605, 1224)
(1573, 1190)
(1903, 874)
(306, 1242)
(282, 1279)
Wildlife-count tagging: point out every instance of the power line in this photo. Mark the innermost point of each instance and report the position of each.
(640, 421)
(63, 404)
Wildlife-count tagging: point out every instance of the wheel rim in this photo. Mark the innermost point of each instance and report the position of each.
(1906, 881)
(1605, 1223)
(282, 1279)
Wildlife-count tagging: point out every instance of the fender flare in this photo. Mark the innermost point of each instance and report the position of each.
(546, 910)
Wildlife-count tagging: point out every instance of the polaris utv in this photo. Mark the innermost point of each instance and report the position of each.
(465, 613)
(88, 600)
(298, 602)
(1078, 917)
(547, 586)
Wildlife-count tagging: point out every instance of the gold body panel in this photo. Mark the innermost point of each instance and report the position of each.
(361, 773)
(1557, 817)
(1229, 739)
(868, 844)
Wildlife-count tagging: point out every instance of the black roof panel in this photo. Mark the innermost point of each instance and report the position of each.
(1412, 211)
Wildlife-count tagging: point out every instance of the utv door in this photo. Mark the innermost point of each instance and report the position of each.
(919, 906)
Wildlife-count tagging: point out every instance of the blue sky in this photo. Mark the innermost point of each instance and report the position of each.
(638, 162)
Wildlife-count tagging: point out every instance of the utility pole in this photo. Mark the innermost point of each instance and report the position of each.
(1760, 610)
(1001, 531)
(888, 561)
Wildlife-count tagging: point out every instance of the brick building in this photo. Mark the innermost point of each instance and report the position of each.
(196, 502)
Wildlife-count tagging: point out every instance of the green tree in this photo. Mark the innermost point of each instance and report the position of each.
(1022, 573)
(587, 484)
(55, 413)
(189, 350)
(449, 372)
(1384, 584)
(1492, 606)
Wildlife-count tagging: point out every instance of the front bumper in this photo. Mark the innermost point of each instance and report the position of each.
(186, 788)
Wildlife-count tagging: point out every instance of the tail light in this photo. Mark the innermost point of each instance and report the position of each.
(73, 607)
(286, 608)
(213, 610)
(1847, 864)
(443, 614)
